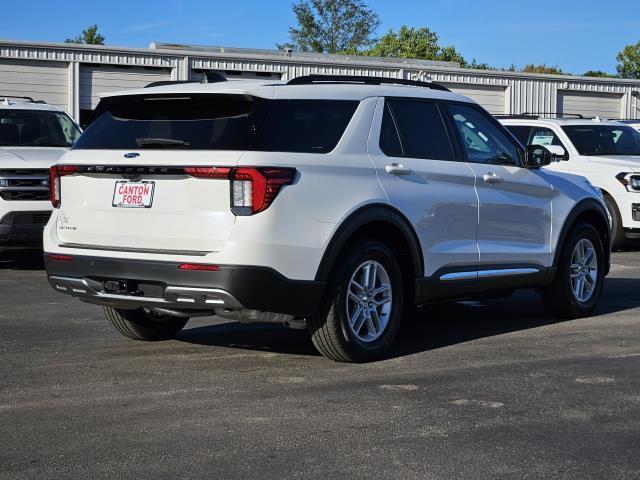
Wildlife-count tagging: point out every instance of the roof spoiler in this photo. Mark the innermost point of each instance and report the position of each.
(207, 77)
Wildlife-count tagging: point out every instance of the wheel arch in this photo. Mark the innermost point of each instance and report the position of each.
(364, 221)
(593, 212)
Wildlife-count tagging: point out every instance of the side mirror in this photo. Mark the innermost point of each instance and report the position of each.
(537, 156)
(558, 152)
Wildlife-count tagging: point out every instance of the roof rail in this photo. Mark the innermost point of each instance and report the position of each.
(207, 77)
(537, 115)
(28, 99)
(556, 114)
(517, 115)
(366, 80)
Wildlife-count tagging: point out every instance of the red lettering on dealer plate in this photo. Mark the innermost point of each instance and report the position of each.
(133, 194)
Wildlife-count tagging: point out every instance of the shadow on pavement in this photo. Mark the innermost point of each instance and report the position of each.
(433, 327)
(22, 260)
(265, 338)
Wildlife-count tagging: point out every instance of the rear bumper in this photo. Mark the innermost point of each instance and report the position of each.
(161, 284)
(22, 230)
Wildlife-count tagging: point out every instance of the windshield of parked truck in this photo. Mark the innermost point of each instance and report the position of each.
(604, 139)
(36, 128)
(217, 122)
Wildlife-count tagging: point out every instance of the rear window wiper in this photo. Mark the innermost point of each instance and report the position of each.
(161, 142)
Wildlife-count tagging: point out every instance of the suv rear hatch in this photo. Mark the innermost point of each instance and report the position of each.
(158, 172)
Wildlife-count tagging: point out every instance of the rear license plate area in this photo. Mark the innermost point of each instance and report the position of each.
(133, 194)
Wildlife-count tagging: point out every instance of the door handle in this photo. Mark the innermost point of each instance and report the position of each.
(397, 169)
(491, 177)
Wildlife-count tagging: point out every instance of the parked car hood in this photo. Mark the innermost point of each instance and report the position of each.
(30, 157)
(630, 162)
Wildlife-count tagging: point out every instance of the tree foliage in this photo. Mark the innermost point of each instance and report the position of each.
(332, 26)
(597, 73)
(418, 43)
(629, 61)
(90, 36)
(478, 66)
(542, 68)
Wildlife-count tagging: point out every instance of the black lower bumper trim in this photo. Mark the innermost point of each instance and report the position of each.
(22, 230)
(255, 288)
(21, 236)
(632, 233)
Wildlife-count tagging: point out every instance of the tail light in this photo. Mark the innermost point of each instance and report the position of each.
(55, 172)
(208, 172)
(254, 189)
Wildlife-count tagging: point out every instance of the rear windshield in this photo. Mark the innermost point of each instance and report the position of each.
(36, 128)
(217, 122)
(604, 139)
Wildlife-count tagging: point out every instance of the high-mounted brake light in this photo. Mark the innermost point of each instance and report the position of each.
(254, 189)
(55, 172)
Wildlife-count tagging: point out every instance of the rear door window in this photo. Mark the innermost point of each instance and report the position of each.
(217, 122)
(422, 132)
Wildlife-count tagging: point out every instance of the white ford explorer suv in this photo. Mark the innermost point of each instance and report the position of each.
(606, 153)
(337, 203)
(33, 136)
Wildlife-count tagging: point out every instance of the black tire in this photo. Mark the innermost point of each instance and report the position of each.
(559, 297)
(143, 325)
(617, 231)
(329, 327)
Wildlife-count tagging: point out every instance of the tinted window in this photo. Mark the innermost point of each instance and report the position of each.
(604, 139)
(521, 132)
(217, 122)
(544, 136)
(33, 128)
(483, 141)
(422, 131)
(389, 140)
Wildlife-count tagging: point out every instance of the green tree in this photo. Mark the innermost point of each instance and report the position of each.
(629, 61)
(542, 68)
(479, 66)
(332, 26)
(90, 36)
(418, 43)
(597, 73)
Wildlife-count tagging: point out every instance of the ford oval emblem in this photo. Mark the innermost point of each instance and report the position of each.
(131, 155)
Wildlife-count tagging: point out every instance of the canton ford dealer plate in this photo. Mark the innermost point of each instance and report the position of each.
(133, 194)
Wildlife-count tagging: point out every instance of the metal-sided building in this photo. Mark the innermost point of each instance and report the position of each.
(71, 76)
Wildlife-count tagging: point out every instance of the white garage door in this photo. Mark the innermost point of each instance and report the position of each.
(96, 79)
(46, 81)
(603, 105)
(490, 97)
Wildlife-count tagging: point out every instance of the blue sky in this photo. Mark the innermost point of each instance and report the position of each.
(577, 35)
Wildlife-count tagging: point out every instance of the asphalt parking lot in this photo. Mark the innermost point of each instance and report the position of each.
(493, 389)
